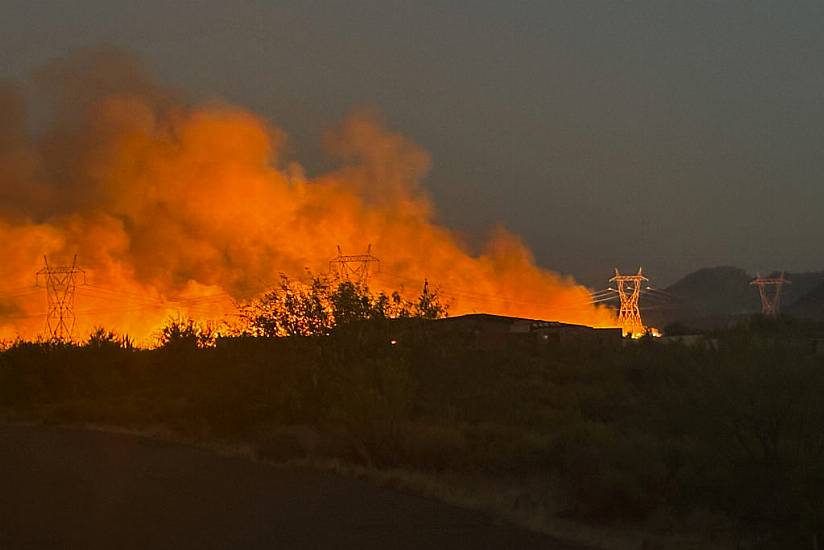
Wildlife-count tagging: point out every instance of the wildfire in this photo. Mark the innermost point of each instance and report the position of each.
(188, 209)
(648, 331)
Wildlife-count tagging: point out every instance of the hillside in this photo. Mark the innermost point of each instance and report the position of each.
(706, 293)
(802, 285)
(715, 297)
(810, 305)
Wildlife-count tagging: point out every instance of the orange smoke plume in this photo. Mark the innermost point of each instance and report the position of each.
(180, 209)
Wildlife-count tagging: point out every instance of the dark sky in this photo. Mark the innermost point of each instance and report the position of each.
(673, 135)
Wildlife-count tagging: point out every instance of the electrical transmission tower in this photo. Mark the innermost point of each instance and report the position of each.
(60, 282)
(770, 301)
(355, 268)
(629, 290)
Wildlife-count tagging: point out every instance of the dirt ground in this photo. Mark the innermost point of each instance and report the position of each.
(65, 489)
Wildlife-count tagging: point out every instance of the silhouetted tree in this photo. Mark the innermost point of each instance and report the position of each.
(184, 333)
(429, 304)
(100, 339)
(296, 309)
(292, 309)
(351, 302)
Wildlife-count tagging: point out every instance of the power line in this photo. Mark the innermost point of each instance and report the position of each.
(449, 292)
(358, 267)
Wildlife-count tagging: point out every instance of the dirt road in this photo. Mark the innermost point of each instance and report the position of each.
(93, 490)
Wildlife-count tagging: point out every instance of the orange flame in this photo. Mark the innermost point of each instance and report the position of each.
(185, 209)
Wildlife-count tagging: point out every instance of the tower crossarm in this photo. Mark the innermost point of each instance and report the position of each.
(355, 258)
(770, 300)
(355, 266)
(772, 281)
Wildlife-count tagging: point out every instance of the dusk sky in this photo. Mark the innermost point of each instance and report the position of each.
(669, 135)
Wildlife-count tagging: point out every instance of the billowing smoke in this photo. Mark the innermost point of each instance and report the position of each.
(179, 208)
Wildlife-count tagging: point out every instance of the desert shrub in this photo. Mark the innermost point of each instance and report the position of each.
(606, 474)
(372, 401)
(435, 447)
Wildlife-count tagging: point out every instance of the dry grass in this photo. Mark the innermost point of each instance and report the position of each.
(510, 502)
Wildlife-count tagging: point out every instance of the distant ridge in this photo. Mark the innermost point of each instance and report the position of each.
(718, 290)
(810, 305)
(710, 296)
(802, 284)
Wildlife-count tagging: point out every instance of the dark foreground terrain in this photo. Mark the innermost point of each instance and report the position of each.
(80, 489)
(718, 441)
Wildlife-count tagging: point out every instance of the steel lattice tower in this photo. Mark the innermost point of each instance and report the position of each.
(355, 268)
(629, 290)
(61, 282)
(770, 302)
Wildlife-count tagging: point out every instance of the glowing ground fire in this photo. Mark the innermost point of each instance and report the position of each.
(181, 209)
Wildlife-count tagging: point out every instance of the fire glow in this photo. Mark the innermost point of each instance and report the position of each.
(181, 209)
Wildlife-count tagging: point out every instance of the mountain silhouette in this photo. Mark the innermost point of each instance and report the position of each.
(718, 296)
